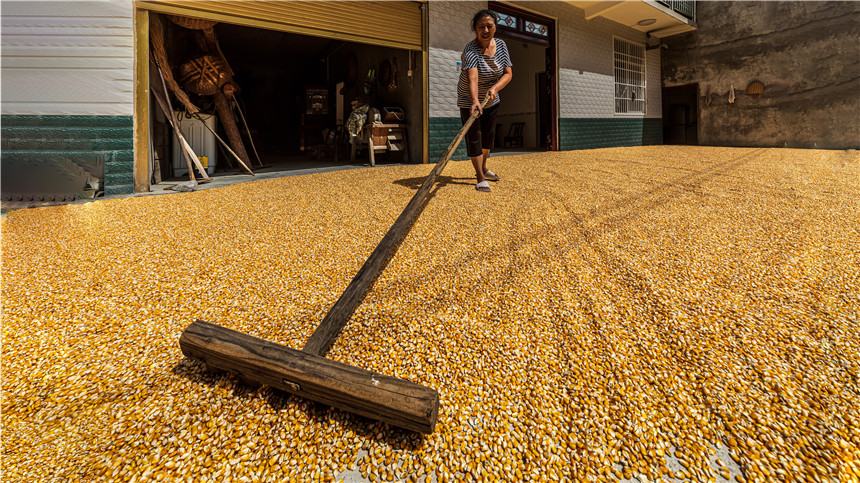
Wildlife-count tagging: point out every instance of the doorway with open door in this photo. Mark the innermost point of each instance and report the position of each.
(681, 114)
(527, 116)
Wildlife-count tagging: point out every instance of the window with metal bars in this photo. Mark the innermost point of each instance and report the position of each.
(629, 77)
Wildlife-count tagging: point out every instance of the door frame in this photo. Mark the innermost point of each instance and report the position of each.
(550, 42)
(690, 93)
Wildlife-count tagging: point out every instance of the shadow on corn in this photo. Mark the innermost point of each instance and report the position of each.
(441, 181)
(309, 412)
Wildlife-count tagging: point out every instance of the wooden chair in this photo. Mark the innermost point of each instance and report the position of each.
(514, 139)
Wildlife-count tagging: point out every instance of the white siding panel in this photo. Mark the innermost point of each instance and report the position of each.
(33, 62)
(58, 86)
(61, 57)
(65, 8)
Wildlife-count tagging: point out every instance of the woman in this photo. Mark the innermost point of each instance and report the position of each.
(486, 70)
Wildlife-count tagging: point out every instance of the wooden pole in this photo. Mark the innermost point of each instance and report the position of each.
(225, 114)
(247, 129)
(224, 144)
(339, 314)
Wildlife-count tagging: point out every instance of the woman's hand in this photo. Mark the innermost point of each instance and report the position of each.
(476, 105)
(492, 93)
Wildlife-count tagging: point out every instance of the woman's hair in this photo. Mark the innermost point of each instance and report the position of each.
(484, 13)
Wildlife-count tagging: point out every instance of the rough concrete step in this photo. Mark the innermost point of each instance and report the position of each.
(41, 178)
(95, 162)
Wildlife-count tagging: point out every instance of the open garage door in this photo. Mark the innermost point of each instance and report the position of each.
(284, 55)
(388, 23)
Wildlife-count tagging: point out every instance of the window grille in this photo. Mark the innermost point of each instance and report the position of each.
(507, 21)
(629, 77)
(536, 28)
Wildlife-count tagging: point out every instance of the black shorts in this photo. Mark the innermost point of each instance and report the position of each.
(482, 133)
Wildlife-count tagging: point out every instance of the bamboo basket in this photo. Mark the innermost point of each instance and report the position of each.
(192, 23)
(203, 75)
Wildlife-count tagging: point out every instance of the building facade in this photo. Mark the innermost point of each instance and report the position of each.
(76, 98)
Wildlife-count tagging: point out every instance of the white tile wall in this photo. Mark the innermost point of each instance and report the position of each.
(443, 82)
(654, 84)
(586, 94)
(451, 23)
(450, 31)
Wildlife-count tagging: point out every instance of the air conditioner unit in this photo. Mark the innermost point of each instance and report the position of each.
(202, 141)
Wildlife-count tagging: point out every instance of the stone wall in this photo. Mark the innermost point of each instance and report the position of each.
(807, 55)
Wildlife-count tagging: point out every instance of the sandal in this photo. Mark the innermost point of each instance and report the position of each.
(492, 176)
(483, 186)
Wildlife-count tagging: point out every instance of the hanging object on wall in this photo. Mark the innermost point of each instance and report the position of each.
(708, 98)
(732, 95)
(351, 69)
(755, 89)
(385, 74)
(393, 84)
(207, 41)
(370, 82)
(211, 75)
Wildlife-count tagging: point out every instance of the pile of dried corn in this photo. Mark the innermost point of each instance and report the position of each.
(598, 314)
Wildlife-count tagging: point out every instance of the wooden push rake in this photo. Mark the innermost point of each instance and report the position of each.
(307, 372)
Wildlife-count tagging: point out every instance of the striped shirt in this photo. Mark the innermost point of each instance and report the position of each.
(490, 70)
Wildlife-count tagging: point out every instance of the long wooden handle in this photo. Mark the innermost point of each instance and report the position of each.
(337, 317)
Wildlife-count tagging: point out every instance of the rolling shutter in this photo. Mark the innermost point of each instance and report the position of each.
(388, 23)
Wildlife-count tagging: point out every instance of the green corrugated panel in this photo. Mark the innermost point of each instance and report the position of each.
(66, 121)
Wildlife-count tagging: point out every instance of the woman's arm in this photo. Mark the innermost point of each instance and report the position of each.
(472, 77)
(503, 81)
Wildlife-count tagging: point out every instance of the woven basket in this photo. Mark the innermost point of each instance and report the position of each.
(192, 23)
(203, 75)
(755, 89)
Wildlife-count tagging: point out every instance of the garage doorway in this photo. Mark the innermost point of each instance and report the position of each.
(297, 86)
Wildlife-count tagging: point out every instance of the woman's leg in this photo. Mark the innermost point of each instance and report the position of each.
(480, 164)
(484, 160)
(488, 140)
(473, 149)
